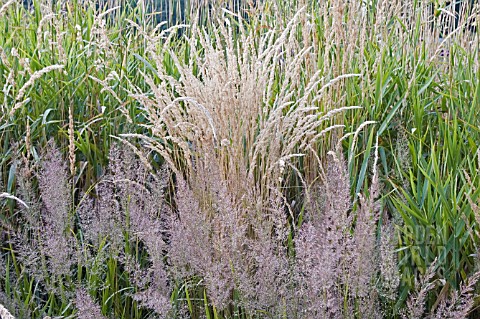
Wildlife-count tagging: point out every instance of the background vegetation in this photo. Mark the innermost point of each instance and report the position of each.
(241, 159)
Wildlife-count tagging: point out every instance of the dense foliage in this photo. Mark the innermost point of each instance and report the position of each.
(235, 159)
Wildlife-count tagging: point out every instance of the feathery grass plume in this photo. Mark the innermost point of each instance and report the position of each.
(31, 81)
(86, 307)
(88, 218)
(460, 303)
(42, 238)
(250, 100)
(152, 284)
(71, 141)
(58, 41)
(99, 45)
(416, 302)
(337, 256)
(7, 87)
(362, 260)
(28, 140)
(130, 201)
(263, 274)
(40, 33)
(389, 273)
(189, 234)
(147, 214)
(322, 245)
(207, 237)
(28, 228)
(57, 218)
(104, 218)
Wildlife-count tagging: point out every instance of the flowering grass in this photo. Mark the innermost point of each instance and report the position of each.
(235, 159)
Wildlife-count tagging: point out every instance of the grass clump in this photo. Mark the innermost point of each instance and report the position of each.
(258, 160)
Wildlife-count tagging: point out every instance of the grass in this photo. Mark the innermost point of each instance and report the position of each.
(264, 95)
